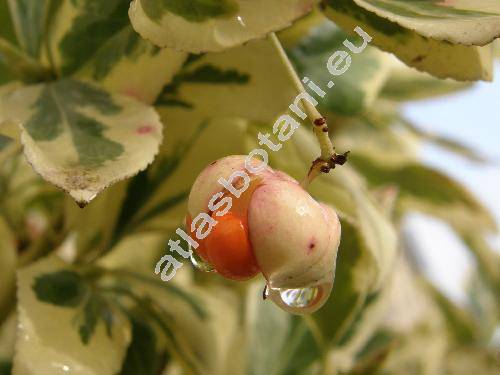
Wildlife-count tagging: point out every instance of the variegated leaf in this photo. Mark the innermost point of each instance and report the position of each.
(30, 21)
(21, 25)
(8, 147)
(433, 55)
(115, 55)
(427, 190)
(358, 87)
(211, 25)
(47, 341)
(406, 84)
(467, 22)
(80, 137)
(249, 82)
(186, 313)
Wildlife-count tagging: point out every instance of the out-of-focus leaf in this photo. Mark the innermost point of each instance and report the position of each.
(483, 304)
(187, 335)
(427, 190)
(93, 231)
(8, 331)
(378, 140)
(222, 23)
(292, 35)
(470, 360)
(21, 24)
(8, 259)
(459, 21)
(488, 260)
(115, 56)
(29, 19)
(7, 31)
(47, 341)
(431, 54)
(189, 324)
(444, 142)
(249, 82)
(80, 137)
(460, 325)
(350, 289)
(278, 343)
(358, 87)
(62, 288)
(29, 203)
(267, 329)
(405, 84)
(15, 64)
(8, 148)
(415, 324)
(141, 358)
(5, 367)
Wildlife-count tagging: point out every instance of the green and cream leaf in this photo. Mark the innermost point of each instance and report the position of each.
(249, 82)
(358, 87)
(29, 19)
(464, 22)
(427, 190)
(220, 23)
(406, 84)
(115, 56)
(438, 57)
(81, 138)
(47, 341)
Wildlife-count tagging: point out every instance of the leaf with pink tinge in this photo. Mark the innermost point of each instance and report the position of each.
(80, 137)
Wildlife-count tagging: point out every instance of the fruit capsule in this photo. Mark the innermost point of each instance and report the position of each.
(268, 223)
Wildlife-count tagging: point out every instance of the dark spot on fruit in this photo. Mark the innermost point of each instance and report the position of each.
(311, 246)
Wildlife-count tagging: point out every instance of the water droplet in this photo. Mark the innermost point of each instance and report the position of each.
(241, 21)
(299, 298)
(200, 264)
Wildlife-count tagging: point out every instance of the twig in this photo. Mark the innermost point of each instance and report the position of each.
(328, 158)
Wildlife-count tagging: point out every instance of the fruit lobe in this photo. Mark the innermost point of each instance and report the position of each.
(294, 237)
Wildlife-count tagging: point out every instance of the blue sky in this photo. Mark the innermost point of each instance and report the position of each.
(472, 117)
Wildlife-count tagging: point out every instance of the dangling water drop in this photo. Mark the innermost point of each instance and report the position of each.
(200, 264)
(299, 298)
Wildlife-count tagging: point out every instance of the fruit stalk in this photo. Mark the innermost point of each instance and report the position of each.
(328, 158)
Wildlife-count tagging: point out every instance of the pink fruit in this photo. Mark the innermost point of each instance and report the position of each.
(265, 221)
